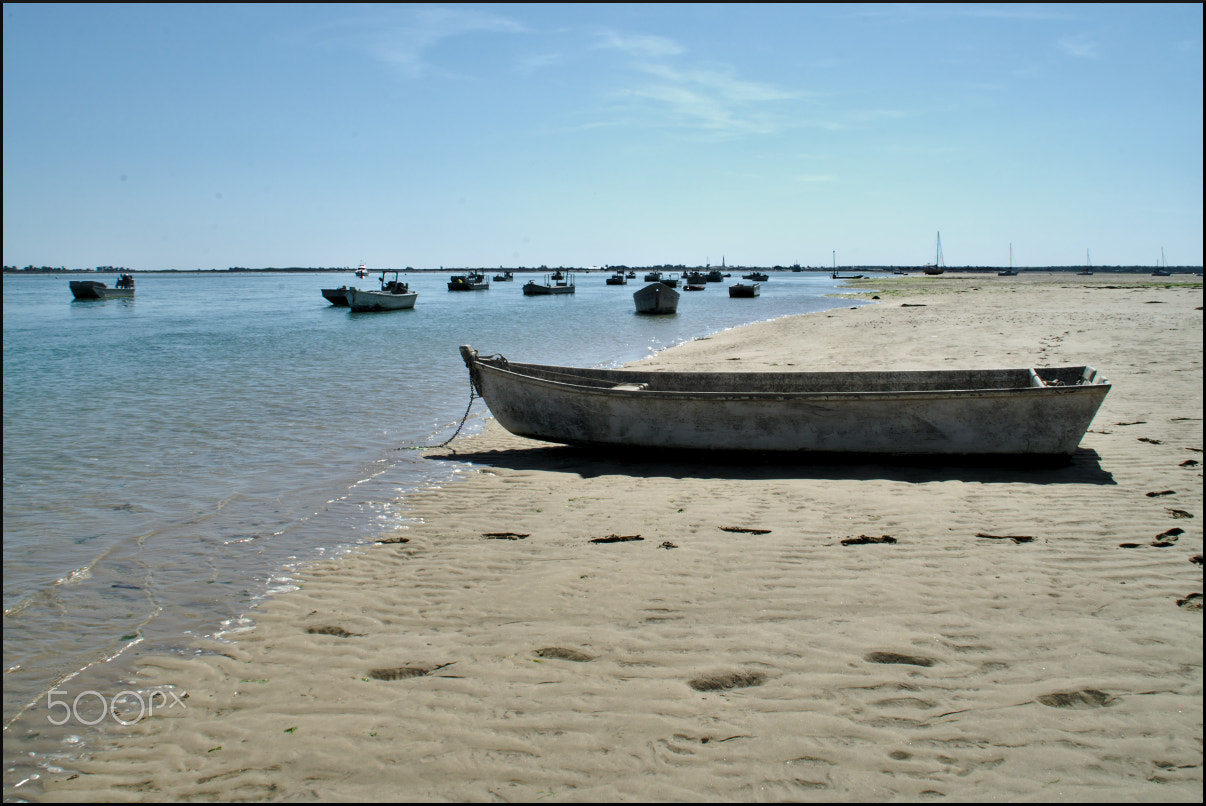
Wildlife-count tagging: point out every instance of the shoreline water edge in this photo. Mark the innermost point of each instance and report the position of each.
(563, 625)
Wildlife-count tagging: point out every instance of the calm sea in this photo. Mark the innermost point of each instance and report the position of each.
(171, 459)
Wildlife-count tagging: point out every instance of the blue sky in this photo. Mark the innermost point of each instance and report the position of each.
(207, 136)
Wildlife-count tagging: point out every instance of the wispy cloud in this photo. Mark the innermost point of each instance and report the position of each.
(1082, 46)
(646, 46)
(712, 101)
(406, 45)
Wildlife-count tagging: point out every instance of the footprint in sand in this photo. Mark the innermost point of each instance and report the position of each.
(338, 632)
(405, 672)
(561, 653)
(1165, 539)
(400, 673)
(1192, 602)
(1079, 700)
(722, 682)
(892, 657)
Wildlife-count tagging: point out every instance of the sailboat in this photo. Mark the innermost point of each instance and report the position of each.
(837, 276)
(1088, 266)
(1161, 270)
(1011, 272)
(936, 267)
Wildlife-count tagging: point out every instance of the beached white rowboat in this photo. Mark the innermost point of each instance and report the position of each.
(1041, 411)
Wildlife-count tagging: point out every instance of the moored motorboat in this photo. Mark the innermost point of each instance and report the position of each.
(94, 289)
(505, 277)
(1031, 411)
(394, 295)
(656, 298)
(756, 275)
(745, 289)
(470, 281)
(617, 279)
(558, 283)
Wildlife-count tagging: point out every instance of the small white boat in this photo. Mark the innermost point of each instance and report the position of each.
(656, 298)
(93, 289)
(1041, 411)
(393, 296)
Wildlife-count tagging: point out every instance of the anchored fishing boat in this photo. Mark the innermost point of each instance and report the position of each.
(1037, 411)
(94, 289)
(470, 281)
(394, 295)
(557, 283)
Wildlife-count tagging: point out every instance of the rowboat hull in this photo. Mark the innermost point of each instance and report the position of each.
(745, 289)
(363, 301)
(957, 412)
(656, 298)
(336, 296)
(535, 289)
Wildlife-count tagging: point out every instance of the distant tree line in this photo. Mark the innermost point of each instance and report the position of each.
(679, 267)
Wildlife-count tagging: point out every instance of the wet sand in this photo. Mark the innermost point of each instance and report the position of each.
(1022, 635)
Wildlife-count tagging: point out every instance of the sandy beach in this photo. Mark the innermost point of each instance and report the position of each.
(1026, 634)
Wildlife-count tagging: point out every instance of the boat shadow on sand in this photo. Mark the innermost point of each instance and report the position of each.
(1082, 467)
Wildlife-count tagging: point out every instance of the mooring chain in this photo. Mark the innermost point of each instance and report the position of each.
(473, 395)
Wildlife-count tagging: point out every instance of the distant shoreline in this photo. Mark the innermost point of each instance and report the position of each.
(1172, 270)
